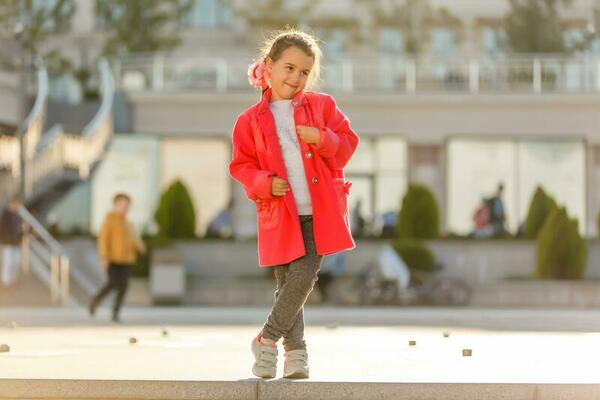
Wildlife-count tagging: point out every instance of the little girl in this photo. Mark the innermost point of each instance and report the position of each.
(289, 151)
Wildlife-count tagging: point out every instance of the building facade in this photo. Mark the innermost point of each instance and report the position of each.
(460, 114)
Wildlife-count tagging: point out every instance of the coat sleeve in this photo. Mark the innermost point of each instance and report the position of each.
(337, 139)
(244, 166)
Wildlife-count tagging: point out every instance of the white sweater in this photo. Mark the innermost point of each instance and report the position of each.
(283, 114)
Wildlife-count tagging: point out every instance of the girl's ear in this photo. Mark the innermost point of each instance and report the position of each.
(269, 64)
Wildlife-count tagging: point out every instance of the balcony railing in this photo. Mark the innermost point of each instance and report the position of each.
(523, 74)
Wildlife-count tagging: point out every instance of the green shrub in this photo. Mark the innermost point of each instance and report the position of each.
(419, 216)
(541, 206)
(415, 254)
(175, 215)
(561, 251)
(143, 261)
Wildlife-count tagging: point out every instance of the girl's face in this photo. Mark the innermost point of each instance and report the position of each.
(289, 73)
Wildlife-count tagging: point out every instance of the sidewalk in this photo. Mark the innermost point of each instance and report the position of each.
(95, 360)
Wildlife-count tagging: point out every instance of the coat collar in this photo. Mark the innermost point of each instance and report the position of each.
(298, 100)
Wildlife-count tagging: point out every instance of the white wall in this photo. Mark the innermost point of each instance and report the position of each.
(131, 166)
(202, 166)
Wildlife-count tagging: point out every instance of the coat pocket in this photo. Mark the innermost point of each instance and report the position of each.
(342, 190)
(268, 214)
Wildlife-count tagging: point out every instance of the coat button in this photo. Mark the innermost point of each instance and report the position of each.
(308, 154)
(295, 103)
(315, 179)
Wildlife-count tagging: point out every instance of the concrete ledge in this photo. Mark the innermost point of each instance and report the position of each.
(289, 390)
(126, 389)
(571, 294)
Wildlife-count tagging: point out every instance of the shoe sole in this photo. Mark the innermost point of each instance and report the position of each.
(263, 376)
(297, 375)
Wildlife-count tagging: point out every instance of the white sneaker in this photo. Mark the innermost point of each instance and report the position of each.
(265, 354)
(296, 364)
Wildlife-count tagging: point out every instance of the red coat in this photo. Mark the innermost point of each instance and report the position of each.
(257, 158)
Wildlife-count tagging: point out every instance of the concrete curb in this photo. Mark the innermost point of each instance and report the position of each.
(290, 390)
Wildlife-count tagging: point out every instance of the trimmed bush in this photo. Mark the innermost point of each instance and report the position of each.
(419, 216)
(415, 254)
(143, 261)
(175, 215)
(561, 251)
(541, 206)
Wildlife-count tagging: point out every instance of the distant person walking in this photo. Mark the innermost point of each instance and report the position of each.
(11, 235)
(118, 246)
(497, 212)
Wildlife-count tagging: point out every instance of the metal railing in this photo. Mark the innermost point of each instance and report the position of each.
(54, 258)
(48, 158)
(31, 128)
(59, 151)
(382, 73)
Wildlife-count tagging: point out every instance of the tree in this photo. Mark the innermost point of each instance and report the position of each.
(541, 206)
(561, 251)
(534, 26)
(141, 26)
(175, 215)
(272, 14)
(419, 216)
(410, 15)
(34, 22)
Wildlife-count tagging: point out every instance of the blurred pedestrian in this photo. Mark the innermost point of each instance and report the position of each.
(11, 235)
(497, 212)
(118, 246)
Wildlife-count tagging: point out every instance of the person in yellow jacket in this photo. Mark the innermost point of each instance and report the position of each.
(118, 246)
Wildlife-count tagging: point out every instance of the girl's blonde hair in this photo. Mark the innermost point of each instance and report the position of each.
(274, 47)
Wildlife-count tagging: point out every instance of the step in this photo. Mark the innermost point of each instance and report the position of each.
(289, 390)
(28, 291)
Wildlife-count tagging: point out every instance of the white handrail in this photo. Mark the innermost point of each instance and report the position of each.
(55, 255)
(389, 72)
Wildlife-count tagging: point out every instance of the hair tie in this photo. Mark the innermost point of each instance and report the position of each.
(257, 75)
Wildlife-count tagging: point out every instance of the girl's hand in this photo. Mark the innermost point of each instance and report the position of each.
(279, 187)
(308, 134)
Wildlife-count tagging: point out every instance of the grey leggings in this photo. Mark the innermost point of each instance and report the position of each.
(295, 281)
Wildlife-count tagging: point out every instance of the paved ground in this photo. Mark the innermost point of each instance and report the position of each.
(212, 345)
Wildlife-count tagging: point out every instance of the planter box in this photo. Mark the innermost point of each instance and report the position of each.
(551, 294)
(167, 277)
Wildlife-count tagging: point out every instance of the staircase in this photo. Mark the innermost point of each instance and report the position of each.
(54, 162)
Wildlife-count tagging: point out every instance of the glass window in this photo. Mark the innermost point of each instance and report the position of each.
(391, 40)
(362, 160)
(208, 14)
(378, 175)
(573, 37)
(391, 67)
(491, 40)
(559, 167)
(442, 42)
(333, 45)
(47, 7)
(475, 167)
